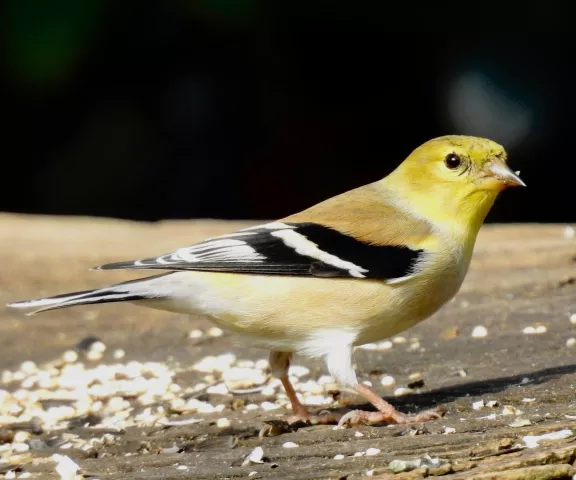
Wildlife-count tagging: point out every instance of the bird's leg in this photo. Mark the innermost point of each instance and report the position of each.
(280, 364)
(386, 412)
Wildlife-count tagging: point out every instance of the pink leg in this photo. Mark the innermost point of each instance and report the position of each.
(386, 412)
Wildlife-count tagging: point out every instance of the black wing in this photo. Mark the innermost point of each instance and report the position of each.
(277, 248)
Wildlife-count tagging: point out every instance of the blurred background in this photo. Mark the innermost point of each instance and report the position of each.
(240, 109)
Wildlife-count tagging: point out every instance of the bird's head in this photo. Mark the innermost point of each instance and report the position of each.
(454, 178)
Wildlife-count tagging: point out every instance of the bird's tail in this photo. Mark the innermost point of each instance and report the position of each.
(121, 292)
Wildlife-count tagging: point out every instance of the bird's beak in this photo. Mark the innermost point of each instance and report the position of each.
(498, 170)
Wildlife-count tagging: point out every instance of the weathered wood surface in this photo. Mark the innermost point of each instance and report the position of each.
(521, 276)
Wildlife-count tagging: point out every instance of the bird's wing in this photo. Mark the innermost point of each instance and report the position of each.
(287, 248)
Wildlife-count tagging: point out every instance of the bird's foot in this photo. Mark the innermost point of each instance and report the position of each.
(324, 417)
(391, 415)
(273, 428)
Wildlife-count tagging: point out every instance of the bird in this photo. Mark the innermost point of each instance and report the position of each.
(356, 268)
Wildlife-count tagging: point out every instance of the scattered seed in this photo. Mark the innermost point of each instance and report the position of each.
(65, 467)
(290, 445)
(532, 441)
(215, 332)
(534, 330)
(571, 342)
(172, 449)
(388, 381)
(399, 339)
(528, 400)
(384, 345)
(255, 456)
(573, 319)
(569, 232)
(339, 457)
(448, 430)
(195, 334)
(223, 423)
(402, 391)
(521, 422)
(119, 354)
(373, 451)
(478, 405)
(358, 434)
(479, 331)
(511, 410)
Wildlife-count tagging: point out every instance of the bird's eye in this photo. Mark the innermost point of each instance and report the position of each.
(452, 161)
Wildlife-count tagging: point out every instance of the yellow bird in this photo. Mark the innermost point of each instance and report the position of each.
(354, 269)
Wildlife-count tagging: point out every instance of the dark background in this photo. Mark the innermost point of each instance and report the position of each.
(241, 109)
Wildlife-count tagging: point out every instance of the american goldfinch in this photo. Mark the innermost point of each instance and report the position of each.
(354, 269)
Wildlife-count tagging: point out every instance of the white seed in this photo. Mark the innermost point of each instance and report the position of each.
(237, 378)
(532, 441)
(10, 474)
(402, 391)
(197, 333)
(448, 430)
(215, 332)
(299, 371)
(521, 422)
(218, 389)
(94, 355)
(415, 376)
(541, 329)
(172, 449)
(254, 457)
(28, 367)
(511, 410)
(223, 423)
(24, 475)
(388, 381)
(65, 467)
(528, 400)
(290, 445)
(573, 319)
(119, 354)
(70, 356)
(98, 347)
(478, 405)
(373, 451)
(571, 342)
(569, 232)
(359, 454)
(479, 331)
(492, 403)
(339, 457)
(268, 391)
(262, 364)
(21, 437)
(399, 340)
(20, 447)
(358, 434)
